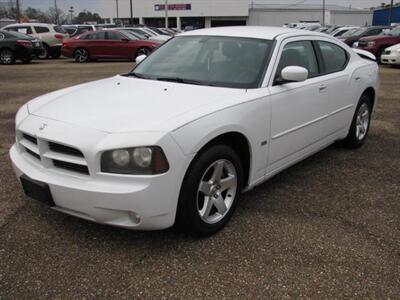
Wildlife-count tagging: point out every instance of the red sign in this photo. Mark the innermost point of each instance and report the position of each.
(160, 7)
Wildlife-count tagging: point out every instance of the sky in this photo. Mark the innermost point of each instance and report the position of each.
(92, 5)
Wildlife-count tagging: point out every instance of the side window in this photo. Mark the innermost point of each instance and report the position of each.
(99, 35)
(334, 57)
(115, 36)
(21, 29)
(300, 54)
(41, 29)
(374, 32)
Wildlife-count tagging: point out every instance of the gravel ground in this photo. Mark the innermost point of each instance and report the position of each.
(328, 227)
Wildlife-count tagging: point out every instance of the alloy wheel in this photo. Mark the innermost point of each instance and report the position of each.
(362, 121)
(81, 55)
(6, 57)
(217, 191)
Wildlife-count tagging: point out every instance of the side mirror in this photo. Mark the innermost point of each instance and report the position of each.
(140, 58)
(294, 74)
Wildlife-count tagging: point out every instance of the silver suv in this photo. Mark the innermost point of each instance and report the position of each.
(51, 36)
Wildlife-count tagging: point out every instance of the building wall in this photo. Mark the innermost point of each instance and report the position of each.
(351, 18)
(381, 16)
(199, 8)
(279, 17)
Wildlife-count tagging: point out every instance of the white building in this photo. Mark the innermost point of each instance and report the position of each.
(181, 13)
(278, 15)
(210, 13)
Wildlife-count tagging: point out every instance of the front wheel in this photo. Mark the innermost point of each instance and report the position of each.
(360, 125)
(81, 55)
(210, 191)
(7, 57)
(45, 52)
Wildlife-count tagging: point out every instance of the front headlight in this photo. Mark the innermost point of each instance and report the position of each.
(135, 161)
(371, 44)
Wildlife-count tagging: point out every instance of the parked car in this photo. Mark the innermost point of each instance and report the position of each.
(391, 55)
(148, 34)
(106, 44)
(51, 36)
(210, 114)
(342, 30)
(17, 46)
(140, 35)
(352, 36)
(378, 43)
(74, 30)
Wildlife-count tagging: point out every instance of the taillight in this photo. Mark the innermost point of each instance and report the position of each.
(25, 43)
(59, 36)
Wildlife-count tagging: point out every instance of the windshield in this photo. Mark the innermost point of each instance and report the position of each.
(208, 60)
(353, 32)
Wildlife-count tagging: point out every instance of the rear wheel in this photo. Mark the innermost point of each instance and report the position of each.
(210, 191)
(360, 124)
(45, 52)
(7, 57)
(81, 55)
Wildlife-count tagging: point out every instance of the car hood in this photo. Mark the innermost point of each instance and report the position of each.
(126, 104)
(378, 38)
(394, 47)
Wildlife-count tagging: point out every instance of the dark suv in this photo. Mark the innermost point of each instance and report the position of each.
(378, 43)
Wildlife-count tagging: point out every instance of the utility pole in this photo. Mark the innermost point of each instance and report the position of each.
(117, 9)
(323, 12)
(56, 8)
(71, 12)
(166, 13)
(18, 14)
(390, 12)
(131, 20)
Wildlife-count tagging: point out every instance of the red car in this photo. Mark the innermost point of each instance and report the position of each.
(378, 43)
(106, 44)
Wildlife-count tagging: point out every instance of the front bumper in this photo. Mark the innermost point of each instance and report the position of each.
(390, 59)
(134, 202)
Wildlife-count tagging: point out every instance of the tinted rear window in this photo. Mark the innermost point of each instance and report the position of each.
(41, 29)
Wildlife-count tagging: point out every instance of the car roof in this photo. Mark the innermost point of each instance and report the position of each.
(31, 24)
(260, 32)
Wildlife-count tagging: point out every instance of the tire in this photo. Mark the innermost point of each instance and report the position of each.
(360, 124)
(379, 55)
(7, 57)
(207, 199)
(56, 54)
(144, 50)
(81, 55)
(45, 53)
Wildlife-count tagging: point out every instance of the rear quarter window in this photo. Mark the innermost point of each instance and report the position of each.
(334, 57)
(41, 29)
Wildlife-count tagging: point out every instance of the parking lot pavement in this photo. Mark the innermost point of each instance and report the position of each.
(327, 227)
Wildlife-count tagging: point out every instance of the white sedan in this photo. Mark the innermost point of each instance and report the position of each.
(391, 55)
(210, 114)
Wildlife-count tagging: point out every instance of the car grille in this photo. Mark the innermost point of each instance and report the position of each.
(50, 153)
(386, 52)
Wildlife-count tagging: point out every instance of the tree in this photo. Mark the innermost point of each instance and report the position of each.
(87, 16)
(36, 14)
(56, 16)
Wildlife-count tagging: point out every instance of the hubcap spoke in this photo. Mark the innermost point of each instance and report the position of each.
(217, 174)
(207, 206)
(220, 204)
(205, 187)
(227, 182)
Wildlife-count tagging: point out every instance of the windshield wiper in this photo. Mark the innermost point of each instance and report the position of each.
(186, 81)
(137, 75)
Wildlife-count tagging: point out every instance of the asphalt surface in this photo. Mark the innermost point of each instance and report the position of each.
(328, 227)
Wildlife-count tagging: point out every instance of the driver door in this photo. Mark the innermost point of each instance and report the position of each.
(299, 109)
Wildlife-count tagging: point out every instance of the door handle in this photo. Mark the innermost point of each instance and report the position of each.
(322, 88)
(358, 78)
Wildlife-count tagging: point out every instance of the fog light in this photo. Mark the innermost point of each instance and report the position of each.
(134, 217)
